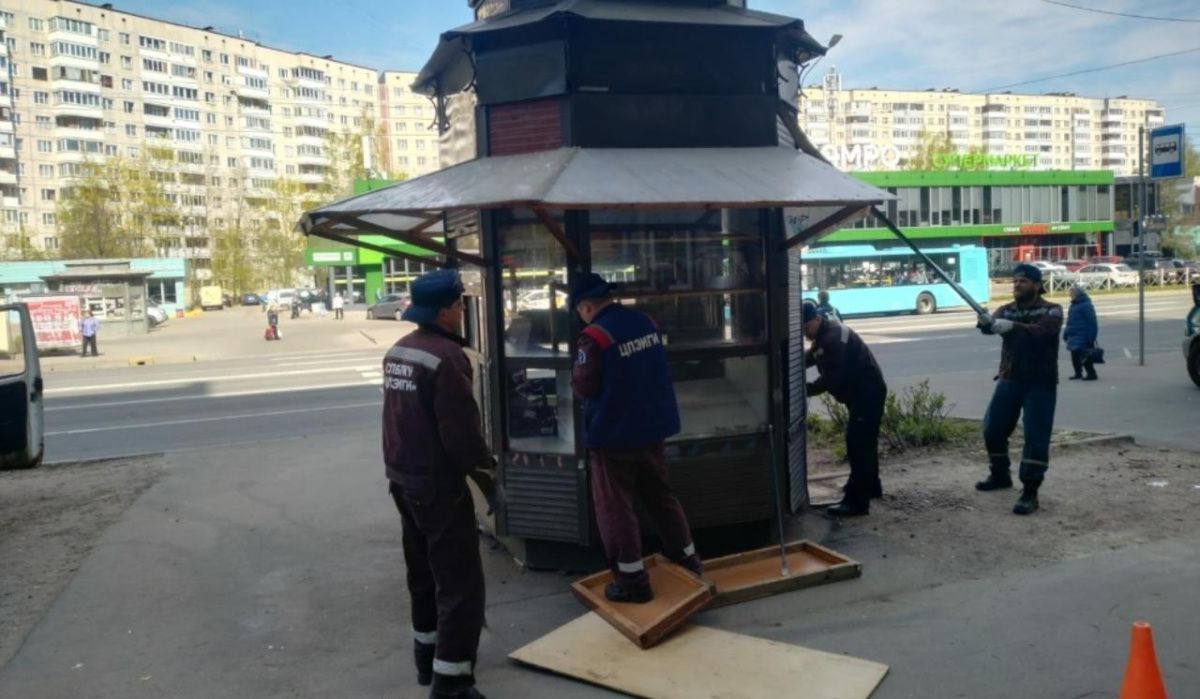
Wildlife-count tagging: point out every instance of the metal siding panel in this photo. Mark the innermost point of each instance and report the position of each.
(797, 400)
(543, 502)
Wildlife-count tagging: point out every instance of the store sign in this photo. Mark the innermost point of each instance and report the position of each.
(983, 161)
(865, 157)
(331, 258)
(1038, 228)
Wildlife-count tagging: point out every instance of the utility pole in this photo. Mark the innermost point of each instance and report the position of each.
(1141, 258)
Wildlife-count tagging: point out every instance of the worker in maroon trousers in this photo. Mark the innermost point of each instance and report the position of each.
(621, 374)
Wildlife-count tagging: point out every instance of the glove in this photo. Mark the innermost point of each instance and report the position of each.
(984, 321)
(1001, 325)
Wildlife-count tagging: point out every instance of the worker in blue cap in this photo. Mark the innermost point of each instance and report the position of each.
(432, 442)
(629, 408)
(1026, 386)
(849, 373)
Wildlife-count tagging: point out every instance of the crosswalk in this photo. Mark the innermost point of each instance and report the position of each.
(367, 364)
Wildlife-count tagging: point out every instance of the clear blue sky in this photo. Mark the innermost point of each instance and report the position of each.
(917, 44)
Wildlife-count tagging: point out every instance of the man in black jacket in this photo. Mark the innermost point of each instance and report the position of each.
(850, 374)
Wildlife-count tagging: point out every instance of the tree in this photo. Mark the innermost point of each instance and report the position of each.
(16, 244)
(117, 207)
(931, 144)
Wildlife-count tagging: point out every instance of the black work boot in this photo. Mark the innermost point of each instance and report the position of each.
(998, 479)
(848, 508)
(1028, 504)
(458, 686)
(423, 654)
(615, 592)
(693, 564)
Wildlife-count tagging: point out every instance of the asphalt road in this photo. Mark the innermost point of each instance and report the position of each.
(320, 394)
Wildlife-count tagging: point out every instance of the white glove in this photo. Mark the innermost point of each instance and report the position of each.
(984, 320)
(1001, 325)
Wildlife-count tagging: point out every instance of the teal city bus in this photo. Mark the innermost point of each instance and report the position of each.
(862, 279)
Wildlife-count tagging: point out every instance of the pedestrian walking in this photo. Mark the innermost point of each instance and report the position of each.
(1026, 386)
(432, 442)
(272, 322)
(1080, 334)
(89, 327)
(338, 305)
(629, 410)
(849, 373)
(825, 308)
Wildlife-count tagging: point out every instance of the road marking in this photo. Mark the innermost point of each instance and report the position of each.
(351, 354)
(205, 379)
(191, 421)
(319, 362)
(230, 394)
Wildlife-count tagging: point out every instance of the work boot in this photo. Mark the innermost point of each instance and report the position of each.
(693, 564)
(847, 508)
(1091, 377)
(458, 687)
(423, 654)
(1028, 503)
(996, 480)
(615, 592)
(1075, 377)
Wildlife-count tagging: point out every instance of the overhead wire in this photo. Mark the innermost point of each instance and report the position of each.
(1114, 13)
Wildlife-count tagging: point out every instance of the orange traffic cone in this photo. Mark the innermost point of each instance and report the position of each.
(1142, 678)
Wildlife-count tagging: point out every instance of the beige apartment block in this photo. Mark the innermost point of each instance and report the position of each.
(85, 82)
(878, 129)
(409, 126)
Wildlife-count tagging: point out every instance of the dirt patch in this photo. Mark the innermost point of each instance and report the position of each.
(50, 517)
(1095, 498)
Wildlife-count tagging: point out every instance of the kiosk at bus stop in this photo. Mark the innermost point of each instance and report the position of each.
(655, 143)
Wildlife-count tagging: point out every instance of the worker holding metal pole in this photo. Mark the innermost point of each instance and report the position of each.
(851, 375)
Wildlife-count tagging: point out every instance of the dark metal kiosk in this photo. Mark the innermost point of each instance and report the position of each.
(654, 143)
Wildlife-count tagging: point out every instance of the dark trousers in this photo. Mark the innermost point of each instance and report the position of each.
(862, 447)
(445, 577)
(1034, 403)
(90, 342)
(337, 313)
(1081, 360)
(617, 477)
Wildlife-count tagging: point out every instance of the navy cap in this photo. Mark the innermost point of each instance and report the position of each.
(431, 292)
(589, 286)
(809, 311)
(1028, 271)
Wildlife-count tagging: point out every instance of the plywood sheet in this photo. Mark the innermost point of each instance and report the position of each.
(752, 574)
(698, 662)
(677, 595)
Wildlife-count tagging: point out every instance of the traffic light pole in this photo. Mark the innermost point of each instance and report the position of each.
(1140, 227)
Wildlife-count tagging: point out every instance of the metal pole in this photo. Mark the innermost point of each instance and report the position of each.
(783, 563)
(945, 277)
(1141, 228)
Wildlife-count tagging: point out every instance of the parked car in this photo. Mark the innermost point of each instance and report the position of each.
(251, 299)
(1048, 267)
(1105, 259)
(539, 300)
(155, 314)
(1116, 274)
(1148, 261)
(391, 306)
(1072, 265)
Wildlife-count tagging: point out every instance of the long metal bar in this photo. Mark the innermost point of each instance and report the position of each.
(559, 234)
(940, 272)
(1140, 227)
(783, 564)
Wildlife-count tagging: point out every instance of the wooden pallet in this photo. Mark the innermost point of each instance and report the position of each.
(677, 595)
(753, 574)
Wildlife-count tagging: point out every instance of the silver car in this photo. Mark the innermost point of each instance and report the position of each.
(391, 306)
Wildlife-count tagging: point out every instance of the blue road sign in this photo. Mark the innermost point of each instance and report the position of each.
(1166, 152)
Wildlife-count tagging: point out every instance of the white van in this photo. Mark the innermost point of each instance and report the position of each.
(21, 390)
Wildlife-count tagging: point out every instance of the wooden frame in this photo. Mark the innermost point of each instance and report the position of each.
(678, 595)
(752, 574)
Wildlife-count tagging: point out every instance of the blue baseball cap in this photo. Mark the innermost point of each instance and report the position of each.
(589, 286)
(430, 293)
(809, 311)
(1028, 271)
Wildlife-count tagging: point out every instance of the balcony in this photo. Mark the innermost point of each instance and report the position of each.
(9, 202)
(254, 110)
(309, 159)
(313, 120)
(80, 133)
(79, 110)
(253, 72)
(310, 178)
(7, 177)
(320, 140)
(257, 93)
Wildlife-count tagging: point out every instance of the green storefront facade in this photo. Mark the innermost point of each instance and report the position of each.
(365, 274)
(1033, 214)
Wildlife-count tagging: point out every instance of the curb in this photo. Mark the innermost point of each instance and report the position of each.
(1098, 441)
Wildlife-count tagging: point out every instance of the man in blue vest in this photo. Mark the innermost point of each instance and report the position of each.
(629, 407)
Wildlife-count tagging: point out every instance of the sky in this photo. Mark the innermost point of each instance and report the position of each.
(972, 45)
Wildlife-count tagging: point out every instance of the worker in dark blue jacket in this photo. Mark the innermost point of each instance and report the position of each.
(629, 408)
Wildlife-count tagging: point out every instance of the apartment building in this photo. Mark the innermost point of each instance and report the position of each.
(408, 121)
(85, 81)
(879, 129)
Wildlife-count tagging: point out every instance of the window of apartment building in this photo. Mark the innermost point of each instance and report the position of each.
(181, 71)
(39, 73)
(41, 98)
(231, 162)
(287, 131)
(151, 43)
(45, 170)
(106, 81)
(184, 114)
(287, 111)
(67, 48)
(37, 49)
(48, 194)
(154, 66)
(289, 169)
(208, 76)
(402, 143)
(48, 218)
(45, 146)
(104, 57)
(127, 62)
(225, 59)
(210, 97)
(127, 84)
(133, 151)
(404, 160)
(185, 93)
(36, 24)
(230, 142)
(210, 118)
(156, 88)
(421, 160)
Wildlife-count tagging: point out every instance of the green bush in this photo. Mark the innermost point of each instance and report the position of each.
(916, 417)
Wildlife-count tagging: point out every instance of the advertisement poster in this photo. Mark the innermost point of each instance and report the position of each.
(55, 321)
